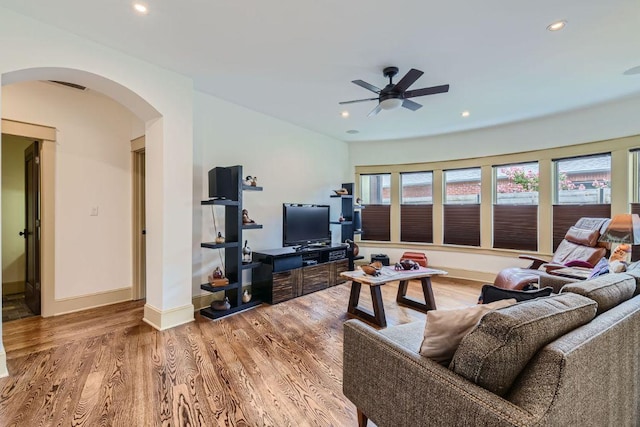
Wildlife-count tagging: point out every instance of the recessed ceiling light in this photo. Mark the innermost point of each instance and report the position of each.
(141, 8)
(632, 71)
(353, 131)
(557, 26)
(465, 114)
(345, 114)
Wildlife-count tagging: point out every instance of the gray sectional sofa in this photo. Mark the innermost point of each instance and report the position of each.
(587, 375)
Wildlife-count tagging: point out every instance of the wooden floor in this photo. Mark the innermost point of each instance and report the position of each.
(275, 365)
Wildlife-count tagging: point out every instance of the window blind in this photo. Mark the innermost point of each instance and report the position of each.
(416, 223)
(515, 227)
(462, 224)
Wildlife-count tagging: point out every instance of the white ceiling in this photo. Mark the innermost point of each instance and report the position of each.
(295, 59)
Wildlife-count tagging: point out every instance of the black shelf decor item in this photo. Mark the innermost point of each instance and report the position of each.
(352, 221)
(230, 195)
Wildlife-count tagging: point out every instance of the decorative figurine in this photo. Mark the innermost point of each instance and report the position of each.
(221, 305)
(355, 249)
(217, 273)
(245, 217)
(407, 264)
(372, 269)
(248, 180)
(254, 181)
(341, 192)
(217, 278)
(246, 252)
(358, 201)
(246, 296)
(219, 238)
(341, 219)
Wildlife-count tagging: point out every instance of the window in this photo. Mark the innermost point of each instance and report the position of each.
(583, 189)
(461, 210)
(515, 211)
(416, 208)
(376, 196)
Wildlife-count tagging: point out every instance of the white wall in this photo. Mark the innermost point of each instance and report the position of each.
(33, 50)
(13, 208)
(605, 121)
(93, 170)
(293, 165)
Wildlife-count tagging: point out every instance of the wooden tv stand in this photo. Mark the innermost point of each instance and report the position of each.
(285, 273)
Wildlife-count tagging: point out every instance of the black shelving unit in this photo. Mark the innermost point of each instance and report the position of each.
(351, 214)
(233, 264)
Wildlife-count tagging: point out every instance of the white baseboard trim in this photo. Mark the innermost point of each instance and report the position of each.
(168, 319)
(4, 372)
(84, 302)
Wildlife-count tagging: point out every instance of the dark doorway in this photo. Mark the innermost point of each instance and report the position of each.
(31, 233)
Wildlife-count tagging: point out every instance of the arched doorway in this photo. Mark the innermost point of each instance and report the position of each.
(63, 187)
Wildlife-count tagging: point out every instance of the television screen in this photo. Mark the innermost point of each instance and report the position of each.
(305, 224)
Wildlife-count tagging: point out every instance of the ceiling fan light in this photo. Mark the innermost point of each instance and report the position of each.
(391, 103)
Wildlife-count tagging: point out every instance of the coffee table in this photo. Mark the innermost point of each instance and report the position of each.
(389, 274)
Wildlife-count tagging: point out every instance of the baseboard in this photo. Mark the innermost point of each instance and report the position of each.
(201, 301)
(4, 372)
(9, 288)
(84, 302)
(162, 320)
(471, 275)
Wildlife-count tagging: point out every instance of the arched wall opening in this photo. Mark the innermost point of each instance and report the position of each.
(153, 130)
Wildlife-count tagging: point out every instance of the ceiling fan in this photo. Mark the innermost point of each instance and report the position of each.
(396, 95)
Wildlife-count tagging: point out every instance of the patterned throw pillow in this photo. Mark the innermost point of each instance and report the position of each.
(497, 350)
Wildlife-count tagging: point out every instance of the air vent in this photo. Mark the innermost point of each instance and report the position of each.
(73, 85)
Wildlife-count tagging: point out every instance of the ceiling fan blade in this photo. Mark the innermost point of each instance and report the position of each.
(408, 79)
(375, 111)
(367, 86)
(426, 91)
(413, 106)
(357, 100)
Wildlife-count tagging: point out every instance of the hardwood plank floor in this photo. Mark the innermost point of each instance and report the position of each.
(277, 365)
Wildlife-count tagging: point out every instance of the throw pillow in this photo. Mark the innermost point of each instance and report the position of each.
(497, 350)
(608, 290)
(492, 293)
(446, 328)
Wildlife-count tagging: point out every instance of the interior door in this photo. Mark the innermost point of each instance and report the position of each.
(31, 233)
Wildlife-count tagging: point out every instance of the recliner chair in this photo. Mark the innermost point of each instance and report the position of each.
(580, 246)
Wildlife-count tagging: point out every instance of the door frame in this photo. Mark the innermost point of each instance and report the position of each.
(47, 136)
(138, 218)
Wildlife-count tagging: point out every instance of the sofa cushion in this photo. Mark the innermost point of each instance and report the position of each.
(493, 354)
(408, 335)
(492, 293)
(446, 328)
(633, 270)
(608, 290)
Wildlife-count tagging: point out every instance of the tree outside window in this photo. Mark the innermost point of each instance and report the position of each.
(584, 180)
(517, 184)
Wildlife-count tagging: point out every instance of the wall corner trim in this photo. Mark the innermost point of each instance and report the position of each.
(162, 320)
(3, 364)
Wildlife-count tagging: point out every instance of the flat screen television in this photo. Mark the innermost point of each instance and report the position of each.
(305, 224)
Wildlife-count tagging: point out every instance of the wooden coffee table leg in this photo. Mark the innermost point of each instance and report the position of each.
(378, 316)
(354, 297)
(428, 293)
(429, 300)
(378, 306)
